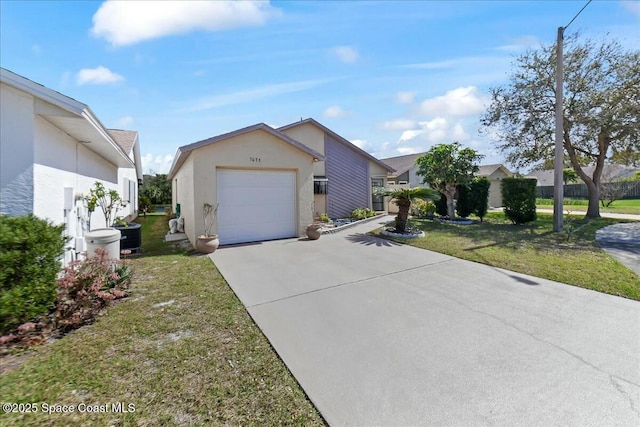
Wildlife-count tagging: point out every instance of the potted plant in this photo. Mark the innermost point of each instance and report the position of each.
(108, 200)
(314, 230)
(207, 243)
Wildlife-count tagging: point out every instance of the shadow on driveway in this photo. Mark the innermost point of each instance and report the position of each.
(366, 240)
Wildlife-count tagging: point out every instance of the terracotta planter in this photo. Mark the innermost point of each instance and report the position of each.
(313, 231)
(207, 244)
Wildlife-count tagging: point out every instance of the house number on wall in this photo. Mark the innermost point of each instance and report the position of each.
(255, 159)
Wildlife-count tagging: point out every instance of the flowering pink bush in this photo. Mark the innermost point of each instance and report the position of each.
(83, 289)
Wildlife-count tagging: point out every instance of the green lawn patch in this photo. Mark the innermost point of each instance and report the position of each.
(627, 206)
(181, 349)
(534, 249)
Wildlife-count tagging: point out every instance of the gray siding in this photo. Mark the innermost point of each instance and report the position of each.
(348, 175)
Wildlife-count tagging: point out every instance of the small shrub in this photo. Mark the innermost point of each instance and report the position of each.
(30, 252)
(88, 285)
(441, 205)
(144, 204)
(519, 199)
(423, 208)
(324, 217)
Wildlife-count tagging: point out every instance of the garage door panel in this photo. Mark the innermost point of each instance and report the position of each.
(255, 205)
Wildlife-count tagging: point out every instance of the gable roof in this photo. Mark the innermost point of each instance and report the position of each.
(184, 151)
(402, 164)
(125, 139)
(73, 117)
(338, 138)
(488, 170)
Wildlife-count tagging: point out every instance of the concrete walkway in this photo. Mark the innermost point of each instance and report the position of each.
(381, 334)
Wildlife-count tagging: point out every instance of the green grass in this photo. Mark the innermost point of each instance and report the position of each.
(628, 206)
(181, 348)
(534, 249)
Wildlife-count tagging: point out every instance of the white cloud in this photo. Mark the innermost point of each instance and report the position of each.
(405, 97)
(632, 6)
(156, 163)
(397, 124)
(346, 54)
(360, 143)
(128, 22)
(436, 131)
(462, 101)
(251, 95)
(335, 111)
(408, 135)
(124, 122)
(97, 76)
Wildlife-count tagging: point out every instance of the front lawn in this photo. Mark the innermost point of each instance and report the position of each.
(534, 249)
(181, 350)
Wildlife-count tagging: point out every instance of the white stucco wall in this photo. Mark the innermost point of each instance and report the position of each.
(39, 161)
(16, 151)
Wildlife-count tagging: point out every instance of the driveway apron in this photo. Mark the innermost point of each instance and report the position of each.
(622, 241)
(382, 334)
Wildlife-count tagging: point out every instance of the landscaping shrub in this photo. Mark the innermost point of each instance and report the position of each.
(30, 252)
(87, 286)
(473, 198)
(519, 199)
(464, 202)
(441, 205)
(362, 213)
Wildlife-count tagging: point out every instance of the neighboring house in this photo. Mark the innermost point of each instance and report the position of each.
(406, 168)
(52, 151)
(405, 171)
(270, 183)
(495, 174)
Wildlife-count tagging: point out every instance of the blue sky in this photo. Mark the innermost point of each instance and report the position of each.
(393, 77)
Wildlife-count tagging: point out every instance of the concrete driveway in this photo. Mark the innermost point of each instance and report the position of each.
(380, 334)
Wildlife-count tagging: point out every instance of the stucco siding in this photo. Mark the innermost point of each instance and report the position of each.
(349, 181)
(183, 184)
(312, 137)
(252, 150)
(16, 152)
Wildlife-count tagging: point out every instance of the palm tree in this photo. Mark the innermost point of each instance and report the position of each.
(403, 197)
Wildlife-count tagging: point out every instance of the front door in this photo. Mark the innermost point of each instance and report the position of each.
(377, 202)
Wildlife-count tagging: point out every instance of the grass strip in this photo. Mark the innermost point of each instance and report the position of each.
(181, 349)
(534, 249)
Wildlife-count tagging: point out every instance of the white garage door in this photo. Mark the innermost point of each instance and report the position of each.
(256, 205)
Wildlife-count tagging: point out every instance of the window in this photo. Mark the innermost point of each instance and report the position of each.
(320, 185)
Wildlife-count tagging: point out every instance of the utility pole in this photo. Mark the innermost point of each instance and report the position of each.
(558, 163)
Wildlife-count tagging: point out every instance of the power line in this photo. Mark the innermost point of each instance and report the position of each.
(574, 18)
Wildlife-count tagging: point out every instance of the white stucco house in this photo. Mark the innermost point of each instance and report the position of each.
(270, 183)
(52, 151)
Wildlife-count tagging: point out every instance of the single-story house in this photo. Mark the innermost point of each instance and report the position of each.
(270, 183)
(495, 174)
(406, 168)
(52, 151)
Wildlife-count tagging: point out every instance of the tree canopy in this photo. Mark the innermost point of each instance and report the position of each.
(601, 108)
(446, 166)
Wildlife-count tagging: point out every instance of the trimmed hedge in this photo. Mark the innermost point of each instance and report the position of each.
(473, 198)
(30, 253)
(519, 199)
